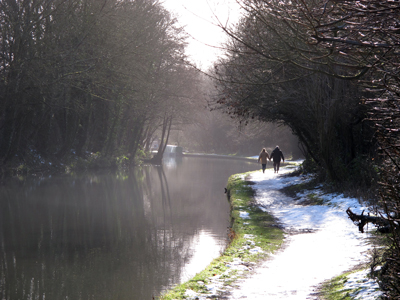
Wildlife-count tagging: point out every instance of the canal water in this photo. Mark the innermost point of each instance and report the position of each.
(113, 235)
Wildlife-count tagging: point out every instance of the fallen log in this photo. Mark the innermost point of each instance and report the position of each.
(361, 220)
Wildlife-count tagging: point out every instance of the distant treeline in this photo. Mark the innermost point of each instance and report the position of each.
(330, 71)
(87, 76)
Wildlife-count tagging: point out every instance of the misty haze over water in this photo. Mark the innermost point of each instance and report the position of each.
(113, 235)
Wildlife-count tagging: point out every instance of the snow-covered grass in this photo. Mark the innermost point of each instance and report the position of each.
(361, 286)
(356, 285)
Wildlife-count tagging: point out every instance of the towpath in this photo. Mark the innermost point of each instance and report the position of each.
(321, 243)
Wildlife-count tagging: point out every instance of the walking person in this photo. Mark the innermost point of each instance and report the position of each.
(263, 158)
(276, 156)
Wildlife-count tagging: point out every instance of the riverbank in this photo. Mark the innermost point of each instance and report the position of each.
(254, 236)
(303, 221)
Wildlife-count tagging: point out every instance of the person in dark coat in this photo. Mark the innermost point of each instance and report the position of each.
(263, 158)
(276, 156)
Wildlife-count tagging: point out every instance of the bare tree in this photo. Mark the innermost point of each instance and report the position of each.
(84, 76)
(274, 74)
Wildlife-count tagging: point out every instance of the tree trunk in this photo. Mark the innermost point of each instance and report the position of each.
(163, 143)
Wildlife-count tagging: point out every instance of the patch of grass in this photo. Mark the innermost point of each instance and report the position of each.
(314, 199)
(334, 289)
(310, 198)
(293, 190)
(260, 225)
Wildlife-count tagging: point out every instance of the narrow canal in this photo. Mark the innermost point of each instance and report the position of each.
(113, 235)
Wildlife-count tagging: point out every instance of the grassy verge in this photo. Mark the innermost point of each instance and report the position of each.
(356, 284)
(253, 234)
(334, 289)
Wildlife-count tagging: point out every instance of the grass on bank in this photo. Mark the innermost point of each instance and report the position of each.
(334, 289)
(260, 225)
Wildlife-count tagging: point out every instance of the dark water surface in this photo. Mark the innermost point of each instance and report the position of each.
(113, 235)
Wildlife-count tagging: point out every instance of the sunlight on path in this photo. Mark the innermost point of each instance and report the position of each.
(323, 243)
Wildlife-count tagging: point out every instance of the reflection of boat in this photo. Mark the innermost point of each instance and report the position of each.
(171, 150)
(172, 161)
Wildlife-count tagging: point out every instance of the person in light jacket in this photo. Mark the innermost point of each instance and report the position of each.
(276, 156)
(263, 157)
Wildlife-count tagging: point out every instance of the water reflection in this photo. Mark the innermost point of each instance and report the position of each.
(113, 236)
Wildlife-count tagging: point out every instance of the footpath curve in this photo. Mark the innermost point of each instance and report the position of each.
(321, 243)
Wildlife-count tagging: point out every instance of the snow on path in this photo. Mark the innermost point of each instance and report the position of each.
(332, 245)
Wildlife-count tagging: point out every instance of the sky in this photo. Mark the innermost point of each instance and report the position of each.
(200, 18)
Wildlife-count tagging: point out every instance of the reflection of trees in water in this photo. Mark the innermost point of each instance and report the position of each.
(89, 238)
(166, 218)
(165, 198)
